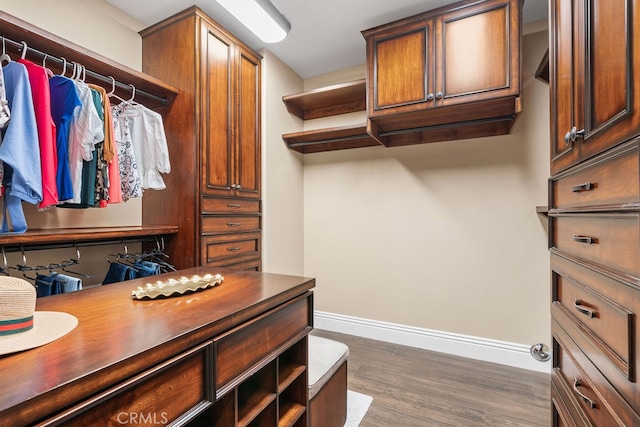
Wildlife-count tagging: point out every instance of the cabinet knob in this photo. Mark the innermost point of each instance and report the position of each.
(575, 133)
(439, 95)
(430, 97)
(233, 186)
(238, 187)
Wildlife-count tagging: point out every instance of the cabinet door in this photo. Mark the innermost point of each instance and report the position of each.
(217, 113)
(563, 83)
(611, 64)
(247, 154)
(401, 65)
(478, 53)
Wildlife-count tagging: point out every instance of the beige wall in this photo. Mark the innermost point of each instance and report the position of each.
(282, 185)
(439, 236)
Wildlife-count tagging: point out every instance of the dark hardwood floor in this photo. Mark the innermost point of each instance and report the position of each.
(414, 387)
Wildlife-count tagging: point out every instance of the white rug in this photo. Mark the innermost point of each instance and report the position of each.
(357, 407)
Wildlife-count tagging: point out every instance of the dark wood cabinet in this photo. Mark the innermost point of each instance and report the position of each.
(231, 113)
(594, 212)
(594, 102)
(214, 134)
(455, 68)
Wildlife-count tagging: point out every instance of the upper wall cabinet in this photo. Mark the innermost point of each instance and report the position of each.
(594, 64)
(450, 73)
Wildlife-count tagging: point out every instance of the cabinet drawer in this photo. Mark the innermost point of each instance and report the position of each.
(214, 205)
(596, 305)
(583, 385)
(231, 248)
(177, 389)
(229, 224)
(561, 415)
(611, 240)
(244, 350)
(607, 181)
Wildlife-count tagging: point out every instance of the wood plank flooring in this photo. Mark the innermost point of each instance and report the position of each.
(414, 387)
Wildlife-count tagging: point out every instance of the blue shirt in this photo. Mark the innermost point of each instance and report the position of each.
(20, 150)
(64, 101)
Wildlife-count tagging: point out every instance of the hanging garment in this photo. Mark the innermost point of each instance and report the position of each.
(20, 149)
(64, 101)
(114, 184)
(85, 132)
(119, 273)
(83, 172)
(130, 182)
(105, 154)
(5, 113)
(66, 283)
(146, 268)
(150, 147)
(45, 286)
(46, 132)
(109, 142)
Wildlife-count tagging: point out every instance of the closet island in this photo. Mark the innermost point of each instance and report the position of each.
(234, 354)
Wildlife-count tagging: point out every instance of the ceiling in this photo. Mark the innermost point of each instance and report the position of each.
(325, 34)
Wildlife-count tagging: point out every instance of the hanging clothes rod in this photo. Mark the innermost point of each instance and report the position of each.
(96, 76)
(71, 244)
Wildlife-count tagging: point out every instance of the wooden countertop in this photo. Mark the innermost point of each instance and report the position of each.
(118, 336)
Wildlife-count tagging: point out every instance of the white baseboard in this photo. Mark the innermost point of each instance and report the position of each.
(505, 353)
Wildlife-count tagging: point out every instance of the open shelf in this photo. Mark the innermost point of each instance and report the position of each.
(149, 91)
(290, 413)
(55, 236)
(329, 139)
(328, 101)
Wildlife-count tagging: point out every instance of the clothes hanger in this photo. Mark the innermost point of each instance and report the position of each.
(74, 74)
(24, 50)
(23, 268)
(4, 56)
(130, 108)
(47, 70)
(112, 93)
(64, 67)
(74, 261)
(5, 266)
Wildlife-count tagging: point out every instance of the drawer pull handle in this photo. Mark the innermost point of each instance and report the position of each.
(233, 206)
(581, 308)
(234, 249)
(584, 239)
(576, 384)
(587, 186)
(234, 224)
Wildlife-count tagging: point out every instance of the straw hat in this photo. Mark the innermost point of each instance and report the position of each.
(21, 327)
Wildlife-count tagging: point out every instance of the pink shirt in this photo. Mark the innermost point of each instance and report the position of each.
(39, 82)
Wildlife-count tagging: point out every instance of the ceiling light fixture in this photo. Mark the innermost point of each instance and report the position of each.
(259, 16)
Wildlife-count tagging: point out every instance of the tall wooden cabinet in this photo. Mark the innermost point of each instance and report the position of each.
(449, 73)
(594, 89)
(594, 212)
(213, 128)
